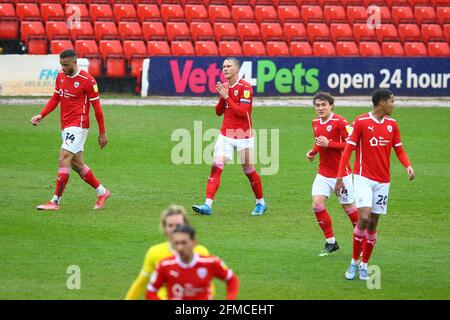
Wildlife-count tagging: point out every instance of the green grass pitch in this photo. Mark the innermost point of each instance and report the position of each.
(275, 256)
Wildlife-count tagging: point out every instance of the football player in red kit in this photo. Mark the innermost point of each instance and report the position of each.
(330, 133)
(373, 136)
(235, 104)
(75, 90)
(188, 275)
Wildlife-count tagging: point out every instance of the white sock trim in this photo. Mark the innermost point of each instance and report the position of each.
(209, 202)
(100, 190)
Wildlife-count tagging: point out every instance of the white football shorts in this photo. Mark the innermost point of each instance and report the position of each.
(225, 146)
(370, 193)
(73, 139)
(324, 186)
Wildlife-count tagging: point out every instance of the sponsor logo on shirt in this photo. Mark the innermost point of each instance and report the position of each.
(245, 100)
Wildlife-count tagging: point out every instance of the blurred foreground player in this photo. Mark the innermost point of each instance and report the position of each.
(330, 134)
(75, 90)
(187, 274)
(171, 218)
(374, 135)
(235, 104)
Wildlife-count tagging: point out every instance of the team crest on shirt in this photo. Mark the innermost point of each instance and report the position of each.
(76, 84)
(329, 127)
(246, 94)
(202, 272)
(236, 92)
(389, 128)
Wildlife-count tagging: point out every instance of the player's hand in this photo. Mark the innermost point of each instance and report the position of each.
(411, 173)
(322, 141)
(36, 120)
(339, 187)
(102, 140)
(222, 90)
(311, 155)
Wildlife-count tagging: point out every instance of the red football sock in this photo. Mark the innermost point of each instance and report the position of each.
(358, 239)
(255, 181)
(352, 215)
(213, 180)
(61, 181)
(368, 245)
(324, 221)
(87, 175)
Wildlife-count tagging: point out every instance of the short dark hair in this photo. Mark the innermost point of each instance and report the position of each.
(235, 61)
(68, 53)
(321, 95)
(381, 95)
(185, 228)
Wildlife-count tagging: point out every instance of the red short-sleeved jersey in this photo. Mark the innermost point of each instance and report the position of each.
(242, 94)
(189, 281)
(336, 129)
(75, 95)
(373, 140)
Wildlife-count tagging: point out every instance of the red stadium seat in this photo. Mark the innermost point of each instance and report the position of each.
(391, 49)
(9, 24)
(271, 31)
(409, 32)
(443, 14)
(77, 9)
(415, 49)
(386, 32)
(253, 48)
(82, 30)
(57, 30)
(447, 32)
(52, 12)
(300, 48)
(340, 31)
(323, 48)
(431, 32)
(347, 48)
(37, 46)
(356, 14)
(288, 13)
(105, 30)
(242, 13)
(312, 13)
(438, 49)
(294, 31)
(317, 31)
(31, 29)
(182, 48)
(153, 30)
(148, 12)
(277, 48)
(110, 48)
(225, 31)
(158, 48)
(206, 48)
(56, 46)
(424, 14)
(135, 52)
(385, 14)
(248, 31)
(130, 30)
(28, 11)
(195, 12)
(112, 53)
(172, 12)
(124, 12)
(361, 32)
(369, 49)
(230, 48)
(89, 49)
(402, 14)
(177, 31)
(219, 13)
(265, 14)
(201, 31)
(101, 12)
(333, 13)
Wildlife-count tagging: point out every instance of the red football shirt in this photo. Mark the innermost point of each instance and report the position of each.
(373, 140)
(237, 119)
(336, 129)
(75, 94)
(189, 281)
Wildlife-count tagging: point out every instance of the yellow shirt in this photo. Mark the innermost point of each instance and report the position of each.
(153, 256)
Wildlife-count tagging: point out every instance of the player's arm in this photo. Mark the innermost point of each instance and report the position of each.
(311, 154)
(94, 97)
(156, 282)
(220, 106)
(224, 273)
(49, 107)
(401, 154)
(344, 130)
(138, 287)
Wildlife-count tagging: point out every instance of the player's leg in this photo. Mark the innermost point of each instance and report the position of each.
(65, 158)
(88, 176)
(346, 198)
(246, 157)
